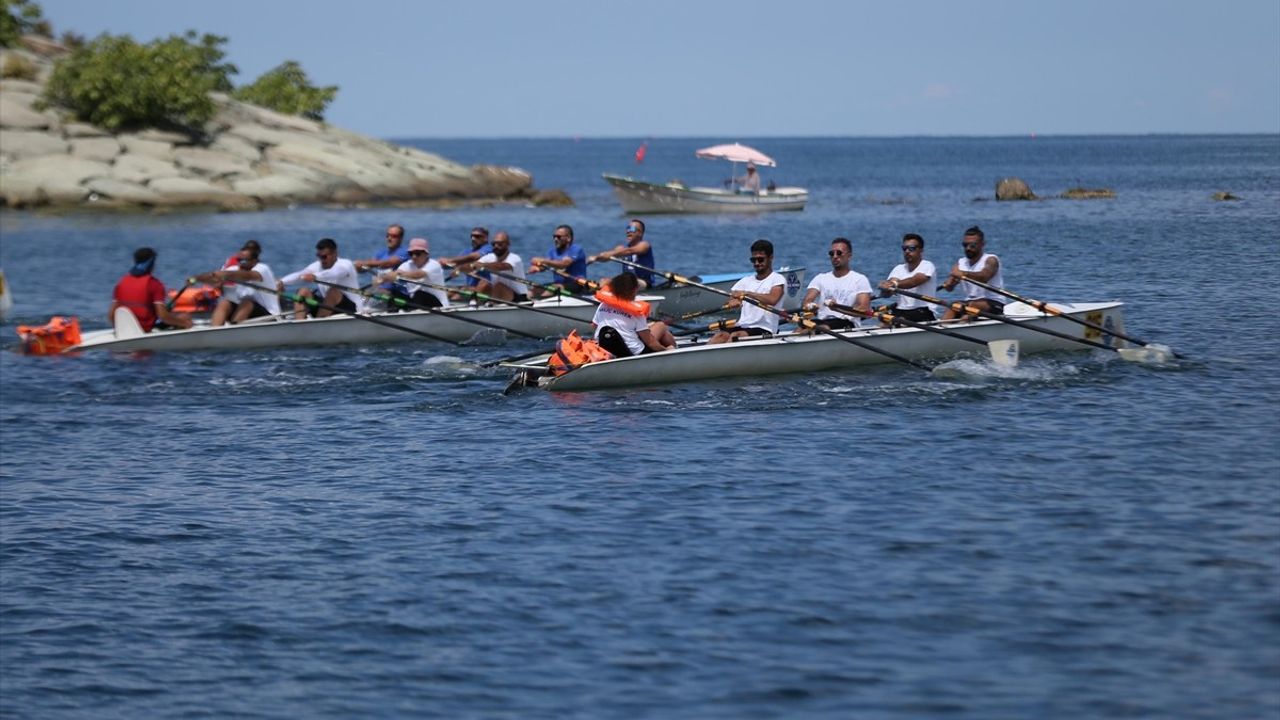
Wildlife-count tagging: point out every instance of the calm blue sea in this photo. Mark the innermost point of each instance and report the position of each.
(377, 532)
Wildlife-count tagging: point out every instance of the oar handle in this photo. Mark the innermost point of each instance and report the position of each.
(891, 319)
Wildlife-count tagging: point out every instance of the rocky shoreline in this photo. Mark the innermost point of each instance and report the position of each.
(245, 158)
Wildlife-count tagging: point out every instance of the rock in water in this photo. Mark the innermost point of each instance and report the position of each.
(1013, 189)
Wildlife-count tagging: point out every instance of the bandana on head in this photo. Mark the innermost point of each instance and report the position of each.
(143, 267)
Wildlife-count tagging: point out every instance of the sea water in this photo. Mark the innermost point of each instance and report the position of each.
(379, 532)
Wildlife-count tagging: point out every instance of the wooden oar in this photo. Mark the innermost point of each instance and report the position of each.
(1046, 308)
(317, 304)
(970, 310)
(451, 314)
(1000, 351)
(803, 322)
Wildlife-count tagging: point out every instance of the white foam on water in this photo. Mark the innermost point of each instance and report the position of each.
(969, 369)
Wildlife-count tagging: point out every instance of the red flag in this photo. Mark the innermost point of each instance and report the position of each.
(640, 152)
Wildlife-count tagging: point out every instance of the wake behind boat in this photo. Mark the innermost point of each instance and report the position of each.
(639, 196)
(543, 318)
(816, 353)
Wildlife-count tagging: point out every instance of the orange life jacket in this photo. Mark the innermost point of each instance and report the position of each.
(51, 338)
(195, 299)
(630, 307)
(573, 352)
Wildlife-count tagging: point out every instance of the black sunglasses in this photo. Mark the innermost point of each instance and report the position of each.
(835, 253)
(969, 244)
(418, 252)
(910, 248)
(756, 259)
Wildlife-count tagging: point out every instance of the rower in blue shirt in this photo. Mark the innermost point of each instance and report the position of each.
(564, 256)
(389, 258)
(637, 248)
(480, 246)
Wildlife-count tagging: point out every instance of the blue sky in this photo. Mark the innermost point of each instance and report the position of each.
(565, 68)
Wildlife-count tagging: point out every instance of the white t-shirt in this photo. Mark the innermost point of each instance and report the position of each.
(627, 325)
(752, 315)
(926, 288)
(517, 269)
(844, 290)
(343, 272)
(973, 292)
(435, 276)
(240, 292)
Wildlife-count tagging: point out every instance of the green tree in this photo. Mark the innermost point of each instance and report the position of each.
(286, 89)
(116, 83)
(18, 17)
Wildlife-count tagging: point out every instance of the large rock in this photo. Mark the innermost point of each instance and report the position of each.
(19, 144)
(136, 145)
(1013, 188)
(190, 191)
(16, 112)
(244, 158)
(102, 149)
(141, 168)
(210, 163)
(54, 179)
(119, 193)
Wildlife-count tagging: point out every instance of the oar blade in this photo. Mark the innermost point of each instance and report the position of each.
(1152, 354)
(1004, 352)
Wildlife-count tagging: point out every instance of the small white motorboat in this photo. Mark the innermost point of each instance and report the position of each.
(642, 197)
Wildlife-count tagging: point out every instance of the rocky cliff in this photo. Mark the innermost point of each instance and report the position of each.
(246, 158)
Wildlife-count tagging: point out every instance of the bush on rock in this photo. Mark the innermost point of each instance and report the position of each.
(287, 90)
(116, 83)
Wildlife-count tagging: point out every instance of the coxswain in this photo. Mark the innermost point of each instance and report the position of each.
(144, 295)
(622, 323)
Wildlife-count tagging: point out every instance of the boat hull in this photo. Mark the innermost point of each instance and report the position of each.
(570, 314)
(815, 353)
(640, 197)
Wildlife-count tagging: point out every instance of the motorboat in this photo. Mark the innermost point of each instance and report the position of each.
(643, 197)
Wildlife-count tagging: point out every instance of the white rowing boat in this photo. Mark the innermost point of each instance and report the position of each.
(680, 300)
(816, 353)
(559, 315)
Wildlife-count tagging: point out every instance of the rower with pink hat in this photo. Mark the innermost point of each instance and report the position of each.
(407, 294)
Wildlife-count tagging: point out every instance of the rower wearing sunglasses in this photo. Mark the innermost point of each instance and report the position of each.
(763, 286)
(637, 249)
(978, 265)
(915, 274)
(842, 285)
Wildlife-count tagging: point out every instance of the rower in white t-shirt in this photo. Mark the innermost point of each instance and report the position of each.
(340, 284)
(409, 276)
(239, 301)
(981, 266)
(764, 287)
(501, 260)
(842, 285)
(915, 274)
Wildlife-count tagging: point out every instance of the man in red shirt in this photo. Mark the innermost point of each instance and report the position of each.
(144, 295)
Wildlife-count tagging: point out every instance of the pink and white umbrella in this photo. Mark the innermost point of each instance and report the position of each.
(736, 152)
